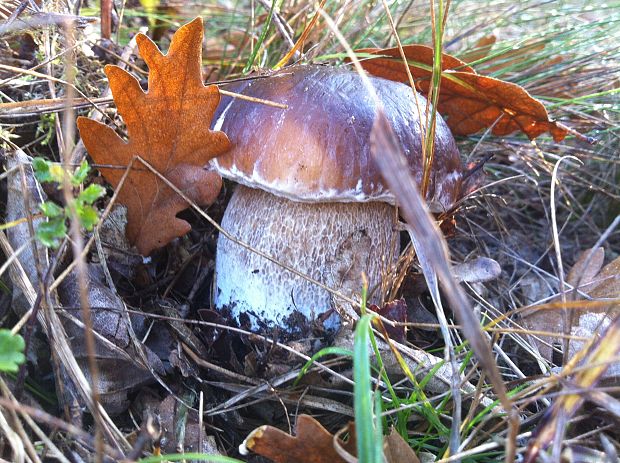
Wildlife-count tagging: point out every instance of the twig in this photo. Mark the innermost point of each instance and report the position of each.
(78, 242)
(17, 424)
(44, 19)
(19, 10)
(50, 79)
(253, 99)
(19, 383)
(19, 453)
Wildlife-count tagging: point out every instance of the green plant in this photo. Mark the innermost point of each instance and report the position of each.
(51, 232)
(367, 406)
(367, 411)
(11, 351)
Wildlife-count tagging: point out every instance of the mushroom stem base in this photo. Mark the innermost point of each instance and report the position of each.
(330, 242)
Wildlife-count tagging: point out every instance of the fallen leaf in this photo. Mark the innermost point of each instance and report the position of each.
(582, 275)
(120, 256)
(606, 284)
(469, 102)
(397, 450)
(312, 444)
(168, 126)
(121, 368)
(389, 63)
(585, 269)
(396, 311)
(120, 360)
(472, 102)
(586, 277)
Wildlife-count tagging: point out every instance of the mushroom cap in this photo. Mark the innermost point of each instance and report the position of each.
(318, 149)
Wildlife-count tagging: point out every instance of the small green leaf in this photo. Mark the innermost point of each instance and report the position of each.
(51, 210)
(91, 194)
(41, 170)
(51, 233)
(87, 215)
(80, 173)
(47, 171)
(58, 173)
(11, 351)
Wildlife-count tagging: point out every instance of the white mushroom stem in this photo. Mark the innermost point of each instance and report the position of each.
(330, 242)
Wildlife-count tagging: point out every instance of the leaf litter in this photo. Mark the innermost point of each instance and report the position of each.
(588, 281)
(120, 370)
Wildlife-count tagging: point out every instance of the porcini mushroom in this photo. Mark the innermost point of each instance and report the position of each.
(310, 195)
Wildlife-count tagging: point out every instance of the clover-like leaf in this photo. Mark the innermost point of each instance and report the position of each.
(11, 351)
(51, 210)
(51, 233)
(91, 194)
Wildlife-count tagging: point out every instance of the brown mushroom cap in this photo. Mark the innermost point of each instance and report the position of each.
(318, 149)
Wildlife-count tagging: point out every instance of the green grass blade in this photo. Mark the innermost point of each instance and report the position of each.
(365, 429)
(322, 353)
(274, 4)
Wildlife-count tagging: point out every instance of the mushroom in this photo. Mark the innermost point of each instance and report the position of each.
(310, 195)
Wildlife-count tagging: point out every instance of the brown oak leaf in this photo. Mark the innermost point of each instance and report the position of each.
(470, 102)
(312, 444)
(169, 127)
(389, 64)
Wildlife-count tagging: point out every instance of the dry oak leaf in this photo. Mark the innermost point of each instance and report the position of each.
(470, 102)
(169, 127)
(312, 444)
